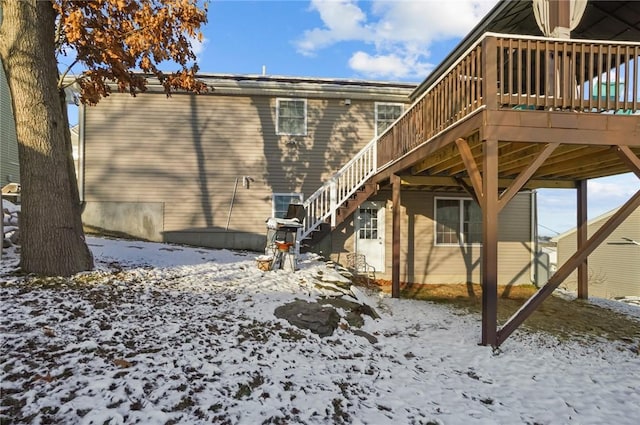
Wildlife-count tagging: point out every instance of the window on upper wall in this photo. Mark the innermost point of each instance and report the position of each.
(458, 221)
(386, 114)
(291, 117)
(281, 203)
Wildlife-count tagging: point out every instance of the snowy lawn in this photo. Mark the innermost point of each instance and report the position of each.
(161, 334)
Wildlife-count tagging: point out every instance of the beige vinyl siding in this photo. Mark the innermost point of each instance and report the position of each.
(187, 152)
(613, 267)
(9, 168)
(424, 262)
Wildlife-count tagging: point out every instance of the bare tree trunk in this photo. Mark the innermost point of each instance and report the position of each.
(52, 239)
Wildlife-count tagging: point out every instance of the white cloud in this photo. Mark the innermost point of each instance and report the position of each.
(607, 193)
(388, 66)
(399, 32)
(343, 20)
(612, 188)
(198, 46)
(428, 20)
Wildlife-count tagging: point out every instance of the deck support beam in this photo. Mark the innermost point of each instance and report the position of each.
(628, 157)
(569, 266)
(581, 235)
(410, 180)
(471, 166)
(525, 175)
(396, 183)
(490, 243)
(468, 188)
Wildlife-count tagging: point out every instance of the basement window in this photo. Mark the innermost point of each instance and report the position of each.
(458, 221)
(281, 203)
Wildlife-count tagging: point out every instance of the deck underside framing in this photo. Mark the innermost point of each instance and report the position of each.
(494, 154)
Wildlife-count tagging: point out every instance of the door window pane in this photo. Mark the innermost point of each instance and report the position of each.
(368, 223)
(447, 221)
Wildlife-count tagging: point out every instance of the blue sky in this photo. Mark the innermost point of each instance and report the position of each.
(390, 40)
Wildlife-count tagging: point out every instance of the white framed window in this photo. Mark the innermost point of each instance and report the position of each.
(386, 114)
(291, 117)
(458, 221)
(281, 203)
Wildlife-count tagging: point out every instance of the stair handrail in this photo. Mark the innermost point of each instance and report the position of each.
(325, 201)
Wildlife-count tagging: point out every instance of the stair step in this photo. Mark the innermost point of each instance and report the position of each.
(342, 211)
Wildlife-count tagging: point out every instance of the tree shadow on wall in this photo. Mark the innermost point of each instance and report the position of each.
(304, 163)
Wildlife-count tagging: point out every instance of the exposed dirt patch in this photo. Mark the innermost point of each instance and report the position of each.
(575, 319)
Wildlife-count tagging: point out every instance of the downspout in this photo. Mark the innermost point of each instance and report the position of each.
(233, 198)
(534, 237)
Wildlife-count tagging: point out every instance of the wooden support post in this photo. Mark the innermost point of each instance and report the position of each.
(489, 73)
(468, 188)
(559, 15)
(581, 233)
(395, 244)
(490, 243)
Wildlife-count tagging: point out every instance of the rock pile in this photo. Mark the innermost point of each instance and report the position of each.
(10, 219)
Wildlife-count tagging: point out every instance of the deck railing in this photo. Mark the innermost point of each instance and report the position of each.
(518, 72)
(498, 71)
(323, 204)
(574, 75)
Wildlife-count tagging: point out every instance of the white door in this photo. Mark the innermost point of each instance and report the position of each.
(369, 227)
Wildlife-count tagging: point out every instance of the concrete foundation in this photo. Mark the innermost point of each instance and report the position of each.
(217, 239)
(145, 220)
(137, 219)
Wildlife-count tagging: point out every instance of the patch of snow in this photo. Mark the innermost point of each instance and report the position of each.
(9, 206)
(169, 334)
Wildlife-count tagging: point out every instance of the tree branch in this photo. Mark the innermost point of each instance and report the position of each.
(64, 74)
(57, 39)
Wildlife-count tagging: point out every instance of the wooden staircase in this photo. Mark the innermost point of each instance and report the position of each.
(349, 206)
(339, 197)
(343, 212)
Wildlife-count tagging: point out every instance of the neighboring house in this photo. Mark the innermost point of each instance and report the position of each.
(9, 166)
(614, 267)
(75, 150)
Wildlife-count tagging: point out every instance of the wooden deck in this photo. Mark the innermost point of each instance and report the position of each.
(515, 113)
(500, 90)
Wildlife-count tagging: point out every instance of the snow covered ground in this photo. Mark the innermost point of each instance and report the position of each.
(162, 334)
